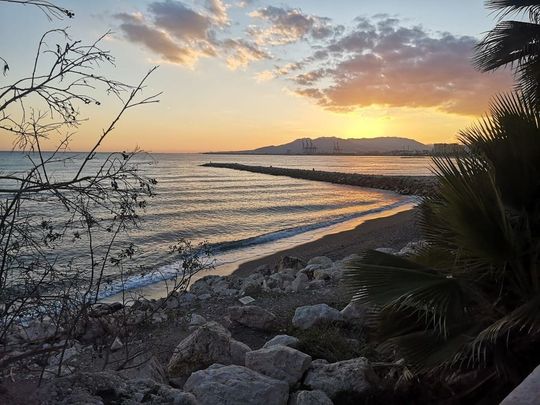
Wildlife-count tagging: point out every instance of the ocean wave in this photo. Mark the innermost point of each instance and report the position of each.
(169, 271)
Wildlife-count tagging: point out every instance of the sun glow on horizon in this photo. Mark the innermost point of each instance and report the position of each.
(260, 79)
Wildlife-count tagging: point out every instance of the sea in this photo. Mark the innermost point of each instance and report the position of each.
(240, 215)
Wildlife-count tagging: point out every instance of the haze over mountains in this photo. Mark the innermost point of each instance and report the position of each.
(334, 145)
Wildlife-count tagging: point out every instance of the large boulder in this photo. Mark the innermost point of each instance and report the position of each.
(144, 368)
(253, 316)
(280, 362)
(252, 284)
(236, 385)
(311, 315)
(310, 398)
(526, 393)
(289, 262)
(109, 388)
(280, 281)
(209, 344)
(284, 340)
(353, 376)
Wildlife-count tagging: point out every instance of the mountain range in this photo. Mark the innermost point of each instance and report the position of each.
(334, 145)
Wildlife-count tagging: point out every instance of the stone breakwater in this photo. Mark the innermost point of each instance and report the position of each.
(406, 185)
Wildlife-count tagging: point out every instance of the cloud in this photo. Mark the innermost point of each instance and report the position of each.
(135, 29)
(381, 62)
(240, 53)
(287, 25)
(183, 35)
(180, 21)
(218, 11)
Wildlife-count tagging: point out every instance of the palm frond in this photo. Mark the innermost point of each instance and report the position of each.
(506, 7)
(510, 141)
(509, 43)
(466, 214)
(400, 285)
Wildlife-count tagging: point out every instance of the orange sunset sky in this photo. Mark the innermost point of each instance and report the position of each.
(239, 74)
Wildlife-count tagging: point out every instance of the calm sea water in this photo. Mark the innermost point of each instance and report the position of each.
(239, 212)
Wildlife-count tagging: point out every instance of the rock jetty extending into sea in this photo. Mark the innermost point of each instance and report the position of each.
(407, 185)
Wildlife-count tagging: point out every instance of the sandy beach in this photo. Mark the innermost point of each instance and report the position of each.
(394, 231)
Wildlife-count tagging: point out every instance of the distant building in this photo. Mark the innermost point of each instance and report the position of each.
(448, 149)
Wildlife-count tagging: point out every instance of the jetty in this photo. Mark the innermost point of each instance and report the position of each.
(406, 185)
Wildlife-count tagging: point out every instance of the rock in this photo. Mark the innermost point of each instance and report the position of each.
(308, 270)
(144, 368)
(103, 309)
(38, 330)
(212, 284)
(209, 344)
(307, 316)
(158, 317)
(171, 303)
(69, 355)
(236, 385)
(316, 284)
(351, 258)
(300, 282)
(289, 262)
(279, 280)
(283, 340)
(354, 375)
(325, 274)
(253, 316)
(252, 285)
(310, 398)
(354, 313)
(196, 320)
(321, 261)
(117, 344)
(110, 388)
(526, 393)
(279, 362)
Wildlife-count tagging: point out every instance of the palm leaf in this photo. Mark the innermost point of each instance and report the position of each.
(400, 285)
(505, 7)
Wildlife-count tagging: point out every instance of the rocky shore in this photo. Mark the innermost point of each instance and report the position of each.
(282, 335)
(406, 185)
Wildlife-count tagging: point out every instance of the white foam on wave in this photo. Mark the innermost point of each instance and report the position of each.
(223, 250)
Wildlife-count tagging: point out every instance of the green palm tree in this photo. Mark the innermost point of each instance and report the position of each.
(514, 43)
(471, 299)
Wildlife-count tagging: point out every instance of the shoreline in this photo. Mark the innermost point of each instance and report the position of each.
(337, 241)
(393, 231)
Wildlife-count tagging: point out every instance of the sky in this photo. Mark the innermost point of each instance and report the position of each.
(240, 74)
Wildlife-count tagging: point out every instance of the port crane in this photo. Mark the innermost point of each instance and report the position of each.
(308, 147)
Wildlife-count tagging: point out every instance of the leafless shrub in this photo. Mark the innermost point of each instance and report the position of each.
(63, 217)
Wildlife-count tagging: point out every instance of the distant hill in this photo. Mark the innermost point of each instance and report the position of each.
(333, 145)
